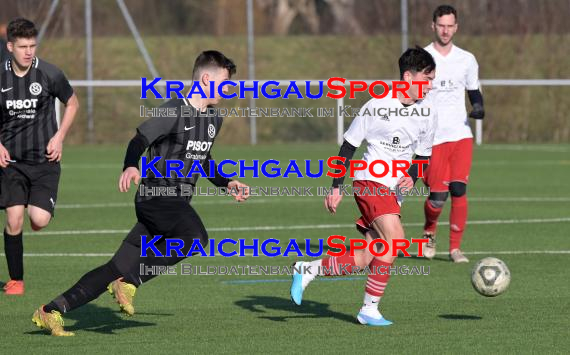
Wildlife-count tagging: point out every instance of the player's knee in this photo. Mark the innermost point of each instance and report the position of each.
(14, 224)
(457, 189)
(437, 199)
(39, 222)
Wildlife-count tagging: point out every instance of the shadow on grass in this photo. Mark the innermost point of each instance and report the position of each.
(459, 317)
(93, 318)
(309, 309)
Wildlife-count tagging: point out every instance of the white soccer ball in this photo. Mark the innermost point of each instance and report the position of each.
(490, 277)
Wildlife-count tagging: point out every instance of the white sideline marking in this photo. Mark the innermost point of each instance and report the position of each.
(504, 252)
(519, 163)
(556, 149)
(304, 226)
(316, 198)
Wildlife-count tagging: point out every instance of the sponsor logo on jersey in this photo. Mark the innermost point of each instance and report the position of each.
(20, 104)
(199, 145)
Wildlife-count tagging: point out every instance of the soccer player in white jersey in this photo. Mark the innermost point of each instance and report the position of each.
(397, 135)
(448, 172)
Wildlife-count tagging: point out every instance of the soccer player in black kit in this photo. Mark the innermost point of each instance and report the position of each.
(30, 141)
(182, 138)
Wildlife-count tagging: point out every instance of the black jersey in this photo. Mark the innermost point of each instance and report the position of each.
(27, 109)
(187, 137)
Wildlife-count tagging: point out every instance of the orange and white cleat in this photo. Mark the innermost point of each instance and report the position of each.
(14, 287)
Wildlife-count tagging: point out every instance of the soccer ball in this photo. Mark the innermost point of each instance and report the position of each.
(490, 277)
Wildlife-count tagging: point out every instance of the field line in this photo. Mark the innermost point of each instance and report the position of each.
(318, 199)
(490, 253)
(306, 226)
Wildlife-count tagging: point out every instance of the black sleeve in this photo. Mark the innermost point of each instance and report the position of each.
(346, 151)
(476, 99)
(135, 150)
(59, 85)
(156, 128)
(218, 180)
(413, 170)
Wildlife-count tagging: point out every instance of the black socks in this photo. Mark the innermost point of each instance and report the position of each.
(14, 250)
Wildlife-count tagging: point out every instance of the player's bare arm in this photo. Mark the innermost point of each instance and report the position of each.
(54, 148)
(130, 174)
(238, 190)
(333, 199)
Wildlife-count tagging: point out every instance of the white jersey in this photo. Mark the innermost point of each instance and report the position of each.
(393, 132)
(454, 73)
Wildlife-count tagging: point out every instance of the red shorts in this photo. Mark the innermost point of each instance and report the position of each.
(450, 161)
(373, 205)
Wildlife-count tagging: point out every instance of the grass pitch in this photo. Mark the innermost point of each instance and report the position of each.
(519, 212)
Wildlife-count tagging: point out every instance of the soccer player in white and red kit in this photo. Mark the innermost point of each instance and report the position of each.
(406, 129)
(448, 172)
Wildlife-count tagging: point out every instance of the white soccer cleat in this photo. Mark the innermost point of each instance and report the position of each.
(372, 316)
(297, 286)
(457, 256)
(429, 247)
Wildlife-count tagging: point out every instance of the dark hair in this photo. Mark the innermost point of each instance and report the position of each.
(444, 10)
(212, 59)
(416, 60)
(21, 28)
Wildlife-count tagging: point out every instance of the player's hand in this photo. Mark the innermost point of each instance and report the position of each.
(54, 148)
(405, 183)
(4, 156)
(333, 200)
(478, 112)
(238, 190)
(130, 174)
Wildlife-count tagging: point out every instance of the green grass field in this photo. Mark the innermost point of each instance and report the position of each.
(519, 212)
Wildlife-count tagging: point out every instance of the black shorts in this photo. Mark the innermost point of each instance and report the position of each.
(170, 217)
(30, 184)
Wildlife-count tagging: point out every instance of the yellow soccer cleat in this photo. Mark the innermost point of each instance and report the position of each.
(51, 322)
(123, 293)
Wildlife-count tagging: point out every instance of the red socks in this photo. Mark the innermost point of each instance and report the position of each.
(338, 265)
(432, 214)
(378, 279)
(457, 221)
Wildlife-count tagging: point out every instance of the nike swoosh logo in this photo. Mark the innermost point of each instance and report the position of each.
(5, 90)
(188, 128)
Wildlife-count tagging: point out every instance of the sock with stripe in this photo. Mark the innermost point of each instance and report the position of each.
(88, 288)
(376, 283)
(337, 265)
